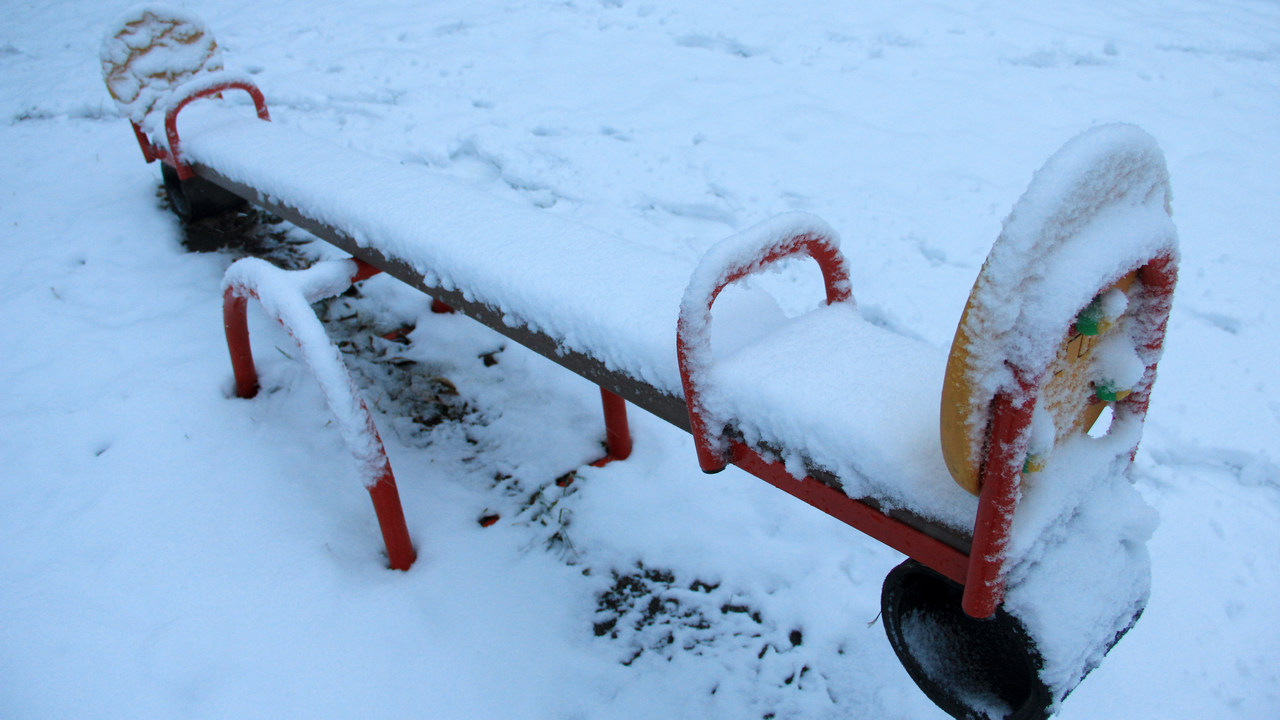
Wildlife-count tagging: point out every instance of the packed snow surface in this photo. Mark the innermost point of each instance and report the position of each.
(169, 551)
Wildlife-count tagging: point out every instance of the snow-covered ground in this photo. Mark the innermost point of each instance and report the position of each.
(169, 551)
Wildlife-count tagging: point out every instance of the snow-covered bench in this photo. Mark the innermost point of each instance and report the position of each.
(606, 308)
(829, 407)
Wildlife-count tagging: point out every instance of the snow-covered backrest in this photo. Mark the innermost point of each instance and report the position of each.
(152, 50)
(1094, 216)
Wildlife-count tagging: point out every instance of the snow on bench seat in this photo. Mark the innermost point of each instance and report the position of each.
(852, 398)
(590, 291)
(833, 389)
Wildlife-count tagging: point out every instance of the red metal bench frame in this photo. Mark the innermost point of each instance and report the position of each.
(976, 562)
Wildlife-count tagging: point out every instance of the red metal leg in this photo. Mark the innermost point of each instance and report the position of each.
(148, 150)
(235, 321)
(617, 431)
(1001, 480)
(364, 270)
(358, 429)
(395, 534)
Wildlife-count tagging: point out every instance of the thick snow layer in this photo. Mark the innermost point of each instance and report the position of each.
(1097, 210)
(1082, 526)
(286, 296)
(168, 551)
(591, 292)
(151, 50)
(852, 398)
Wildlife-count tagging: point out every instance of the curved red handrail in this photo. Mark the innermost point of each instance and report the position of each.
(692, 346)
(378, 478)
(171, 116)
(714, 454)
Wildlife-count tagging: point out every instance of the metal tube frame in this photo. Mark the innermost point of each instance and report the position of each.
(980, 569)
(976, 561)
(379, 479)
(172, 156)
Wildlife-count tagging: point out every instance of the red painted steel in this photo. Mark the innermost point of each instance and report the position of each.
(617, 430)
(1159, 278)
(386, 505)
(152, 152)
(148, 150)
(236, 324)
(1001, 480)
(364, 270)
(1007, 444)
(871, 521)
(174, 156)
(835, 274)
(382, 484)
